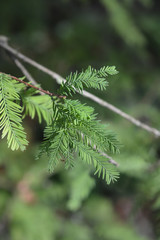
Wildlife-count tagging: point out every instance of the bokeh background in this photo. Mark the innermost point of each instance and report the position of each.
(69, 35)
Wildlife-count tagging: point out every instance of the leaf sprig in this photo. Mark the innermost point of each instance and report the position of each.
(72, 130)
(90, 78)
(11, 114)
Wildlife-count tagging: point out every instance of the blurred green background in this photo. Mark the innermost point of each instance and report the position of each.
(69, 35)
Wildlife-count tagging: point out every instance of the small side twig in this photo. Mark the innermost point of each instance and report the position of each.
(4, 41)
(24, 71)
(28, 60)
(110, 159)
(32, 86)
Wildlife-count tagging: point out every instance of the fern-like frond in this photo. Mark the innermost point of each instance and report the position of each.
(56, 145)
(78, 110)
(56, 149)
(75, 131)
(11, 114)
(83, 120)
(99, 137)
(91, 156)
(40, 105)
(82, 134)
(90, 78)
(105, 71)
(62, 145)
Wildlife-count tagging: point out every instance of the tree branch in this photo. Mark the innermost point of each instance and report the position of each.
(25, 71)
(94, 98)
(131, 119)
(19, 55)
(32, 86)
(110, 159)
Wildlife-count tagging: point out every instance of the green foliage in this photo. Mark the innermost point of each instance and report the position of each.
(72, 128)
(90, 78)
(75, 129)
(11, 114)
(40, 105)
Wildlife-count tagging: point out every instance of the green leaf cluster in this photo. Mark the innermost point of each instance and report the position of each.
(75, 131)
(11, 114)
(72, 130)
(37, 105)
(90, 78)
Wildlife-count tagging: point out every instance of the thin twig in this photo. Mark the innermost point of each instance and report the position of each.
(19, 55)
(24, 71)
(110, 159)
(32, 86)
(131, 119)
(94, 98)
